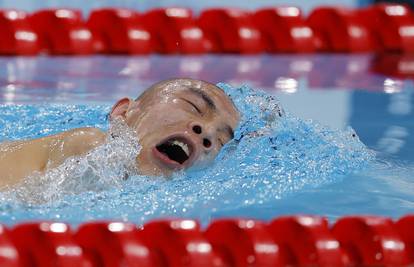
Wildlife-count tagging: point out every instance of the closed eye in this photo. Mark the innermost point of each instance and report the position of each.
(194, 106)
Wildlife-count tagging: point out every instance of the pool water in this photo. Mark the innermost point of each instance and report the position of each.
(275, 165)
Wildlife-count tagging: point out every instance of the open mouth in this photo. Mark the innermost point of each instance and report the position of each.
(175, 150)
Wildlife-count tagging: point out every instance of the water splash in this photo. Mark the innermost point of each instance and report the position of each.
(104, 167)
(272, 156)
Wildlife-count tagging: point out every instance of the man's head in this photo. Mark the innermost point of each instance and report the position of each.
(180, 123)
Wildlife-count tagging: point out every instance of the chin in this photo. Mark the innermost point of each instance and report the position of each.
(148, 165)
(155, 171)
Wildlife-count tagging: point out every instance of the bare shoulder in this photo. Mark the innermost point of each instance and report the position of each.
(9, 146)
(85, 132)
(74, 142)
(81, 139)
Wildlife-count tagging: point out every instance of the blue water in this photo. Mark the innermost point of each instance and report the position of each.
(275, 165)
(273, 156)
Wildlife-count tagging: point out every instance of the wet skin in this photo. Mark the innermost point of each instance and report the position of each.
(193, 114)
(180, 123)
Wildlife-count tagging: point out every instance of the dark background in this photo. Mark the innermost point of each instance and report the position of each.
(409, 2)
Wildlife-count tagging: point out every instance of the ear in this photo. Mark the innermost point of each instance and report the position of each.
(120, 108)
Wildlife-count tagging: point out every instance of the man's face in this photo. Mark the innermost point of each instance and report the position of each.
(181, 123)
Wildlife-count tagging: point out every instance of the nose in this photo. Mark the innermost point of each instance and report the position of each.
(203, 133)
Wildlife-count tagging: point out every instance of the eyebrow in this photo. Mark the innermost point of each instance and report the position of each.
(205, 97)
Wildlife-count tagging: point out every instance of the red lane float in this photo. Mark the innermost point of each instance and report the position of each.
(119, 31)
(285, 241)
(309, 240)
(340, 30)
(48, 244)
(175, 30)
(9, 256)
(62, 31)
(181, 243)
(392, 24)
(371, 241)
(115, 244)
(376, 28)
(231, 31)
(394, 65)
(16, 34)
(405, 227)
(243, 243)
(284, 30)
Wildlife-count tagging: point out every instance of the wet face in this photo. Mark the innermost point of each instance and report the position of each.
(180, 123)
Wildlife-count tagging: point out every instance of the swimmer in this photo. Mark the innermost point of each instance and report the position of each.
(179, 123)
